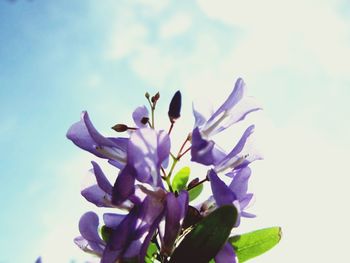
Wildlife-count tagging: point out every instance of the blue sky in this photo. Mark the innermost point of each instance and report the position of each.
(58, 58)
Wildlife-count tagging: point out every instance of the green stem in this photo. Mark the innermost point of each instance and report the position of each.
(153, 117)
(172, 168)
(167, 180)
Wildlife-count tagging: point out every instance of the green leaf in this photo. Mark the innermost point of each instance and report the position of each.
(207, 237)
(181, 178)
(195, 192)
(255, 243)
(106, 233)
(151, 250)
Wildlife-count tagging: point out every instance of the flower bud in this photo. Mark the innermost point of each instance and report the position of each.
(120, 127)
(193, 183)
(175, 107)
(144, 120)
(155, 98)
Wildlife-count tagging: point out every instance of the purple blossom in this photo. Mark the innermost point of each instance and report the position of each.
(236, 107)
(139, 116)
(176, 209)
(235, 193)
(90, 241)
(147, 151)
(84, 135)
(139, 189)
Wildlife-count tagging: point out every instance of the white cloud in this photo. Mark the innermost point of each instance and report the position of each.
(176, 25)
(303, 35)
(128, 36)
(152, 6)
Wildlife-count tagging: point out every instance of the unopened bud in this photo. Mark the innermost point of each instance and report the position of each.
(155, 98)
(175, 107)
(120, 127)
(144, 120)
(147, 95)
(193, 183)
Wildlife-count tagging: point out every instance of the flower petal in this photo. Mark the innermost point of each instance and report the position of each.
(203, 151)
(239, 184)
(124, 186)
(199, 119)
(84, 135)
(247, 215)
(245, 201)
(221, 192)
(80, 136)
(183, 200)
(172, 223)
(97, 196)
(120, 237)
(113, 220)
(95, 135)
(88, 227)
(235, 96)
(101, 179)
(226, 254)
(232, 157)
(138, 114)
(147, 150)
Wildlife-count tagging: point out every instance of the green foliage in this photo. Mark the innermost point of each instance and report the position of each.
(255, 243)
(195, 192)
(180, 179)
(207, 237)
(106, 233)
(152, 249)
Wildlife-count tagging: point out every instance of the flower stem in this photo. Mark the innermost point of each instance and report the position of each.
(182, 154)
(171, 128)
(153, 117)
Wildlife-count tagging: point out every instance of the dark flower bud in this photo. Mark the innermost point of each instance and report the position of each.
(120, 127)
(193, 183)
(147, 95)
(155, 98)
(175, 107)
(144, 120)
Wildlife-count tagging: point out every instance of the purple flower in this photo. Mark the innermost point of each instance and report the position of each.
(208, 153)
(90, 241)
(235, 193)
(154, 213)
(147, 150)
(176, 209)
(132, 233)
(140, 116)
(236, 107)
(84, 135)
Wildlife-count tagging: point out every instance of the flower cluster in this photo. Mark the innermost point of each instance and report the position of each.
(154, 212)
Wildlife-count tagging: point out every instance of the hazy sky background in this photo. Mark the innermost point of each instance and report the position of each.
(58, 58)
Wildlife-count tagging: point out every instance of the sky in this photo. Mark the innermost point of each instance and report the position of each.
(58, 58)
